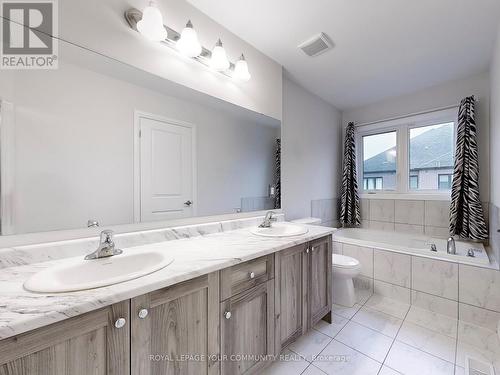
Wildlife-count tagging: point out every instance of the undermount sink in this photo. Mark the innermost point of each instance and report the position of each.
(78, 274)
(280, 230)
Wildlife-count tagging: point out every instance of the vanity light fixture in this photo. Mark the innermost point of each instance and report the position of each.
(241, 69)
(219, 60)
(188, 43)
(151, 24)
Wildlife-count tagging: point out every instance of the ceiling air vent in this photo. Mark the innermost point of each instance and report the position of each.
(316, 45)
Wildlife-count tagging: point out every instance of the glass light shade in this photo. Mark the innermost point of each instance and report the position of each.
(241, 69)
(188, 43)
(219, 59)
(151, 24)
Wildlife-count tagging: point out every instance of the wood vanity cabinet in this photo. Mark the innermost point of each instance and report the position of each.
(228, 322)
(175, 330)
(302, 289)
(83, 345)
(247, 316)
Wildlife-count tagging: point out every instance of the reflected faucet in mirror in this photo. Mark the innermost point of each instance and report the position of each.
(106, 247)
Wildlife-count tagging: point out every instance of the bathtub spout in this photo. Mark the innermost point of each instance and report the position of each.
(450, 246)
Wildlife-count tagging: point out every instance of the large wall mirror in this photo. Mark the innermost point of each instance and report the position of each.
(99, 141)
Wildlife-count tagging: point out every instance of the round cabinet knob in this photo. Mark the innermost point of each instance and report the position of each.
(120, 323)
(307, 251)
(251, 275)
(312, 248)
(227, 314)
(143, 313)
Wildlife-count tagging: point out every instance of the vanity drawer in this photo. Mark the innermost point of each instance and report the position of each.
(236, 279)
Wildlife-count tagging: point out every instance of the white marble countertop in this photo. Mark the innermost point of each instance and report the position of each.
(22, 311)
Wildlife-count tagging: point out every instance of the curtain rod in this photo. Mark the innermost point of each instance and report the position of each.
(408, 115)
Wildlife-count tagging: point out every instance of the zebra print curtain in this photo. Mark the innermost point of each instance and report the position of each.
(277, 177)
(466, 211)
(349, 199)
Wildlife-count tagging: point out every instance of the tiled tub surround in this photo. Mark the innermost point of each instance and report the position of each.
(430, 217)
(327, 210)
(21, 311)
(450, 310)
(415, 244)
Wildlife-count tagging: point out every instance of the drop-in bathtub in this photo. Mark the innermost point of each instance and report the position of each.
(415, 244)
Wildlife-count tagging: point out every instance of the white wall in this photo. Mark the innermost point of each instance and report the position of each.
(100, 25)
(74, 148)
(495, 125)
(311, 150)
(443, 95)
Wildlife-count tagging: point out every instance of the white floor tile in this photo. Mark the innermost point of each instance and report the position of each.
(379, 321)
(388, 371)
(310, 345)
(411, 361)
(433, 321)
(429, 341)
(313, 370)
(389, 306)
(340, 359)
(288, 363)
(331, 330)
(365, 340)
(344, 311)
(362, 295)
(459, 370)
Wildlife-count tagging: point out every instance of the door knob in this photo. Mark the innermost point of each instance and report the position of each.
(120, 323)
(227, 314)
(143, 313)
(188, 203)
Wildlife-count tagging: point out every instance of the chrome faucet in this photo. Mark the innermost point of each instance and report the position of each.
(267, 220)
(450, 246)
(106, 247)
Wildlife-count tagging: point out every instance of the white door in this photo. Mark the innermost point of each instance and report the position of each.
(166, 170)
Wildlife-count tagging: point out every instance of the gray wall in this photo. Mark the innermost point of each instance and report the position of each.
(311, 151)
(495, 150)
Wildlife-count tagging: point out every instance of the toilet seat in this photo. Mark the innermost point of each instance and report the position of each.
(343, 261)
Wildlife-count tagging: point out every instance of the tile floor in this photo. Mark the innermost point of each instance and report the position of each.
(380, 336)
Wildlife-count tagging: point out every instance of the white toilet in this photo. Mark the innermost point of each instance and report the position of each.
(344, 269)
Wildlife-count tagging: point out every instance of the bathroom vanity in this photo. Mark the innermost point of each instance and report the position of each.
(228, 321)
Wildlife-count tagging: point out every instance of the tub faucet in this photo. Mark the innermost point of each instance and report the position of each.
(450, 246)
(267, 220)
(106, 247)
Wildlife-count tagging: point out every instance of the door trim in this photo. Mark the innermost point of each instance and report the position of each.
(138, 114)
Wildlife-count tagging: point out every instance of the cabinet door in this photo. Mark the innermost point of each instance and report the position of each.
(89, 344)
(179, 335)
(289, 296)
(247, 329)
(320, 280)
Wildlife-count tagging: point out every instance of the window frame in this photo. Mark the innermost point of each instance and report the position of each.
(402, 127)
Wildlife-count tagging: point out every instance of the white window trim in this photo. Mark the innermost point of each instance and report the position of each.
(402, 126)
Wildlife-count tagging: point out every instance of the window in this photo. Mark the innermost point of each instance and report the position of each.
(444, 181)
(379, 161)
(373, 183)
(431, 154)
(407, 155)
(414, 182)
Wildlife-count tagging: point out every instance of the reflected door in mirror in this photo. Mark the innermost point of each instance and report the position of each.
(166, 169)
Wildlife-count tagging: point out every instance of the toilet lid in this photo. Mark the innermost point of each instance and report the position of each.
(344, 261)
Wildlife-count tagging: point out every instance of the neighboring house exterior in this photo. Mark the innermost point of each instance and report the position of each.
(431, 163)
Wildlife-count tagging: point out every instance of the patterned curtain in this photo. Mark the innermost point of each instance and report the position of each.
(277, 176)
(466, 211)
(349, 200)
